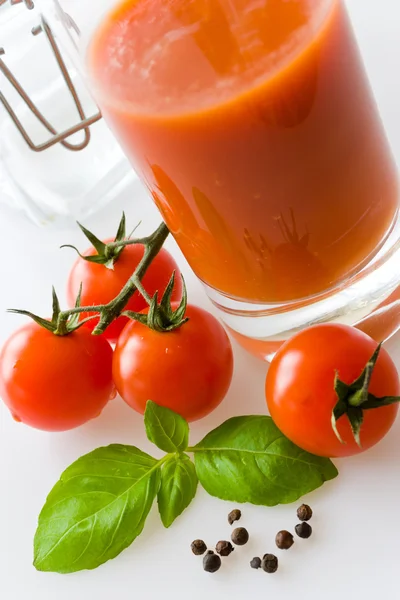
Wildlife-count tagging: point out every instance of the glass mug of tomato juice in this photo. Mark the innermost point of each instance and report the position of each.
(253, 126)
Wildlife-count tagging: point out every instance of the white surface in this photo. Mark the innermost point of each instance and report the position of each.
(354, 549)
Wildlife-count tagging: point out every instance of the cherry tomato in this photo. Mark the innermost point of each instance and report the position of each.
(188, 370)
(55, 382)
(100, 284)
(300, 389)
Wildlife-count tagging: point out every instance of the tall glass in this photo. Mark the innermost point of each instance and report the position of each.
(253, 125)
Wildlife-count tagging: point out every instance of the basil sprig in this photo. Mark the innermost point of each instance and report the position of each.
(101, 502)
(248, 459)
(96, 510)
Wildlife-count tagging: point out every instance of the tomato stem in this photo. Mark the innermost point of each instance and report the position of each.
(108, 253)
(127, 243)
(141, 289)
(161, 317)
(109, 312)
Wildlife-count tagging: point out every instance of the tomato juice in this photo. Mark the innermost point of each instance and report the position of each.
(253, 125)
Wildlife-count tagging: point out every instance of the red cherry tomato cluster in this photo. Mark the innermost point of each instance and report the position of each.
(57, 382)
(330, 389)
(100, 285)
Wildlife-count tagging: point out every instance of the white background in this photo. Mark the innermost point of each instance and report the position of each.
(354, 550)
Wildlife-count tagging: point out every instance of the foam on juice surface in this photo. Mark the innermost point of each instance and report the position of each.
(168, 55)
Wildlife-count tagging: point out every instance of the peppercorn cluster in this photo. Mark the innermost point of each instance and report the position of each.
(240, 536)
(212, 560)
(285, 540)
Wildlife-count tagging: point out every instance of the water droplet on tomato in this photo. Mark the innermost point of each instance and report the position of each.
(16, 418)
(113, 393)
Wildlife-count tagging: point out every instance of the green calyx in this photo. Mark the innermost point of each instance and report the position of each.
(353, 399)
(107, 254)
(161, 316)
(57, 324)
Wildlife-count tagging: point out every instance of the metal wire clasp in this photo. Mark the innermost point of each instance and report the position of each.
(82, 125)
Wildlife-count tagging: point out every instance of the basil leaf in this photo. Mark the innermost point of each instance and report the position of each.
(96, 510)
(178, 488)
(165, 428)
(247, 459)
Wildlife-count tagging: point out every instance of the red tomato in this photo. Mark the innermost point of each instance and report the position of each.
(100, 284)
(300, 388)
(55, 383)
(189, 370)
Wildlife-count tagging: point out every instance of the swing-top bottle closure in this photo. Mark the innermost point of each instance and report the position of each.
(56, 137)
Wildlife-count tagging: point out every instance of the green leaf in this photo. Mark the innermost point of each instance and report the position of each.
(165, 428)
(56, 306)
(340, 408)
(361, 385)
(374, 402)
(356, 418)
(178, 488)
(142, 318)
(121, 232)
(354, 398)
(94, 240)
(75, 319)
(96, 510)
(152, 314)
(179, 314)
(42, 322)
(165, 303)
(247, 459)
(114, 253)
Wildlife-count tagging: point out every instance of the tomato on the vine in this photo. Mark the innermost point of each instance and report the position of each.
(54, 382)
(301, 394)
(100, 284)
(188, 370)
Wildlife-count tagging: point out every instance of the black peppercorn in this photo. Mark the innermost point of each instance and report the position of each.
(269, 563)
(284, 540)
(211, 562)
(198, 547)
(304, 512)
(255, 563)
(303, 530)
(234, 515)
(240, 536)
(224, 548)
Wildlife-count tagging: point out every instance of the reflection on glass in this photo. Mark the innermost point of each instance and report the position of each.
(252, 110)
